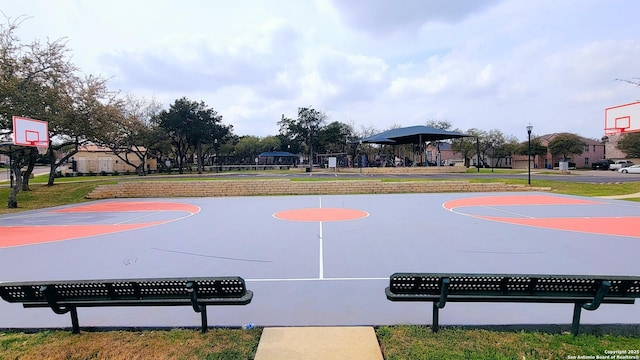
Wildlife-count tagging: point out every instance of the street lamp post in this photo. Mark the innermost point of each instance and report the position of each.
(529, 128)
(478, 152)
(604, 146)
(360, 164)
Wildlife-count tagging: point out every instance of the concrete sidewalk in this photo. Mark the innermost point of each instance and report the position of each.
(321, 343)
(626, 196)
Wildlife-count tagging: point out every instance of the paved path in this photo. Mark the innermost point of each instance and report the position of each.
(626, 196)
(319, 343)
(38, 170)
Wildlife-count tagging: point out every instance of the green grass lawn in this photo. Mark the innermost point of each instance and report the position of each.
(396, 343)
(417, 342)
(74, 189)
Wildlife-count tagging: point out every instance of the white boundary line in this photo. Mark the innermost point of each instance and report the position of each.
(139, 217)
(503, 211)
(321, 252)
(321, 270)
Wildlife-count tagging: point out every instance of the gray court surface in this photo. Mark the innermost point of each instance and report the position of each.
(325, 273)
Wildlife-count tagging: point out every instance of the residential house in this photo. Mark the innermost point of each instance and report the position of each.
(97, 159)
(611, 146)
(593, 150)
(441, 153)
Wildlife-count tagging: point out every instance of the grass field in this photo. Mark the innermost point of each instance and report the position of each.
(396, 342)
(170, 344)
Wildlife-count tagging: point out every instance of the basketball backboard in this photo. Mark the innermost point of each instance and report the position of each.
(622, 118)
(30, 132)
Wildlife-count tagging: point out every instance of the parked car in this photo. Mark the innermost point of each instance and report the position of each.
(619, 164)
(633, 169)
(601, 164)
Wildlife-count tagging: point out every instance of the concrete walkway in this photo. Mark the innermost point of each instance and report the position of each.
(626, 196)
(321, 343)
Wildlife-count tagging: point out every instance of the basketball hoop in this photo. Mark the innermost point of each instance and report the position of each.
(30, 132)
(622, 119)
(42, 148)
(614, 131)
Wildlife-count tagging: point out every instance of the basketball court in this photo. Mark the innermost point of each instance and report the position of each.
(322, 260)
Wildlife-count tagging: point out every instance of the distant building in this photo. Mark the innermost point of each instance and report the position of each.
(611, 145)
(593, 150)
(441, 153)
(97, 159)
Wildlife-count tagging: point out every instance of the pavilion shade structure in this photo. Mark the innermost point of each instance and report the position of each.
(410, 135)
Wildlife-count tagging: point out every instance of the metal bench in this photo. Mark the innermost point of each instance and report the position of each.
(67, 296)
(585, 292)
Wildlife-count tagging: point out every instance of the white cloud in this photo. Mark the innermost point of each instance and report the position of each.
(380, 17)
(495, 64)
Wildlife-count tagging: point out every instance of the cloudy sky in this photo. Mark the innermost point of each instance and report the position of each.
(375, 64)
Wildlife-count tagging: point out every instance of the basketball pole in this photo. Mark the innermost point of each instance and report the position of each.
(529, 128)
(11, 168)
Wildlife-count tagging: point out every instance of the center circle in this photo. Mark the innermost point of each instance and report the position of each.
(321, 214)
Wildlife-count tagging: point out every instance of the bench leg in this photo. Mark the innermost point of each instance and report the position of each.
(435, 323)
(575, 325)
(203, 317)
(74, 320)
(202, 309)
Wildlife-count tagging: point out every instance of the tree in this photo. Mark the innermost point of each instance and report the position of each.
(305, 128)
(366, 131)
(269, 143)
(630, 144)
(333, 137)
(189, 125)
(34, 83)
(358, 149)
(84, 116)
(536, 147)
(22, 156)
(38, 81)
(487, 142)
(247, 148)
(287, 144)
(496, 145)
(204, 128)
(506, 149)
(160, 147)
(439, 124)
(174, 122)
(130, 134)
(633, 81)
(566, 144)
(31, 75)
(467, 146)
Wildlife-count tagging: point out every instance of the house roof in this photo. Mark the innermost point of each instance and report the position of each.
(93, 148)
(548, 137)
(442, 146)
(98, 148)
